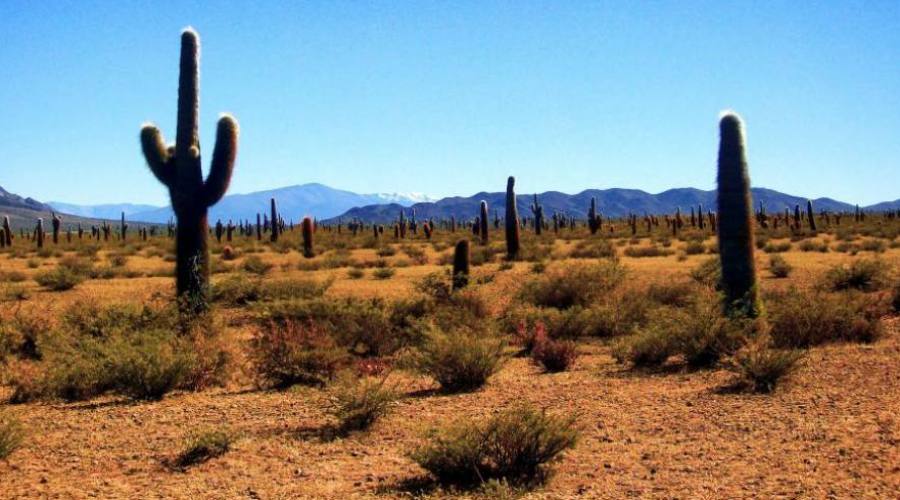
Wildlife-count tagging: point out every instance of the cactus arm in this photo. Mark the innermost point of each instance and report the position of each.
(223, 158)
(188, 94)
(157, 155)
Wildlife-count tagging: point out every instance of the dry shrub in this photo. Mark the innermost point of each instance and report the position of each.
(10, 435)
(241, 289)
(576, 285)
(809, 318)
(553, 355)
(204, 446)
(291, 352)
(779, 267)
(760, 367)
(461, 359)
(255, 265)
(863, 274)
(59, 279)
(516, 446)
(593, 249)
(651, 251)
(358, 402)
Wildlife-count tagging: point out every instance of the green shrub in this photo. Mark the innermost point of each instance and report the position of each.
(760, 367)
(516, 445)
(383, 273)
(294, 352)
(204, 446)
(358, 403)
(355, 273)
(10, 435)
(147, 366)
(593, 249)
(702, 335)
(569, 286)
(649, 346)
(59, 279)
(708, 273)
(651, 251)
(770, 247)
(241, 289)
(862, 274)
(779, 267)
(460, 360)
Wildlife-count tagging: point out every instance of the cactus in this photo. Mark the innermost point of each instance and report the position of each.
(39, 233)
(220, 229)
(594, 220)
(307, 232)
(402, 224)
(178, 168)
(700, 222)
(736, 223)
(275, 228)
(512, 220)
(538, 212)
(55, 222)
(123, 227)
(811, 217)
(7, 230)
(483, 223)
(461, 264)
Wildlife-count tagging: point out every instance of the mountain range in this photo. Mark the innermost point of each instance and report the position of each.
(329, 204)
(610, 202)
(294, 202)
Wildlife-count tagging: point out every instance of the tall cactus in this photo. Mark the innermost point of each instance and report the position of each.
(810, 216)
(178, 168)
(7, 230)
(735, 221)
(123, 227)
(483, 223)
(55, 222)
(594, 221)
(276, 228)
(538, 212)
(512, 220)
(307, 232)
(39, 233)
(461, 264)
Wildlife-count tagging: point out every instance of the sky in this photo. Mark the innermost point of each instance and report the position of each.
(451, 97)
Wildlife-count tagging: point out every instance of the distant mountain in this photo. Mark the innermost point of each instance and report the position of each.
(11, 200)
(610, 202)
(107, 211)
(294, 202)
(885, 205)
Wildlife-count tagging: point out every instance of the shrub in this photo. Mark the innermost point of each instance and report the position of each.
(20, 334)
(770, 247)
(516, 445)
(779, 267)
(708, 273)
(673, 293)
(255, 265)
(383, 273)
(863, 274)
(241, 289)
(760, 367)
(553, 355)
(702, 335)
(593, 249)
(651, 251)
(649, 346)
(148, 366)
(569, 286)
(10, 435)
(229, 253)
(355, 273)
(12, 276)
(812, 246)
(460, 360)
(203, 446)
(358, 403)
(803, 319)
(59, 279)
(293, 352)
(694, 248)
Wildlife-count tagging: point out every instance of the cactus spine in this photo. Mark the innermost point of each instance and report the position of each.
(178, 168)
(483, 223)
(461, 264)
(735, 221)
(512, 220)
(307, 232)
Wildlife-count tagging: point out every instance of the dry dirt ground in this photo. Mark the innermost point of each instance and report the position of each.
(831, 431)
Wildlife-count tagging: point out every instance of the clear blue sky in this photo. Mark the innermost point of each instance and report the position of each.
(451, 97)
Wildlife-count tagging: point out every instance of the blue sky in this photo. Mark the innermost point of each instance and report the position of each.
(452, 97)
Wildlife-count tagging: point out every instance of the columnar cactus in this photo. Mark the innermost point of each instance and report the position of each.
(512, 220)
(538, 212)
(178, 168)
(402, 224)
(811, 217)
(483, 223)
(39, 233)
(55, 222)
(594, 220)
(735, 221)
(461, 264)
(7, 230)
(700, 222)
(307, 232)
(273, 209)
(123, 227)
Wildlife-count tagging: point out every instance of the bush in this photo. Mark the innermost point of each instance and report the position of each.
(770, 247)
(204, 446)
(651, 251)
(694, 248)
(460, 360)
(779, 267)
(553, 355)
(649, 346)
(355, 273)
(255, 265)
(148, 366)
(593, 249)
(383, 273)
(59, 279)
(241, 289)
(293, 352)
(10, 435)
(702, 335)
(760, 367)
(517, 445)
(708, 273)
(579, 285)
(358, 403)
(802, 319)
(863, 274)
